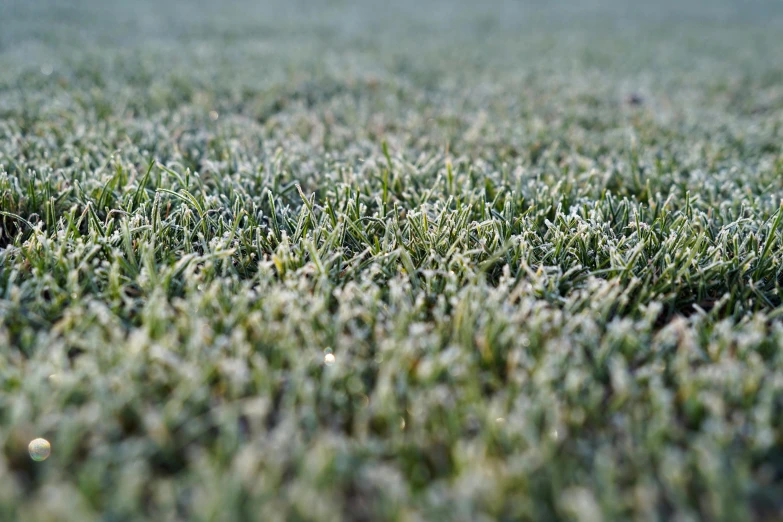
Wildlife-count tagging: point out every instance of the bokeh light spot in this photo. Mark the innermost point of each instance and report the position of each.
(39, 449)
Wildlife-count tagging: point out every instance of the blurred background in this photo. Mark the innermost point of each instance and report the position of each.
(684, 60)
(434, 42)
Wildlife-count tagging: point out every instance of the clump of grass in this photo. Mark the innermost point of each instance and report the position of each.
(304, 277)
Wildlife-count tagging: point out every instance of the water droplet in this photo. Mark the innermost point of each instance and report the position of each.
(402, 423)
(213, 115)
(47, 69)
(329, 359)
(500, 420)
(39, 449)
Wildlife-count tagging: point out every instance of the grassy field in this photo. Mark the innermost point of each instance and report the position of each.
(446, 260)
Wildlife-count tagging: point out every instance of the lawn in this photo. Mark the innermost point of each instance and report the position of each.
(411, 261)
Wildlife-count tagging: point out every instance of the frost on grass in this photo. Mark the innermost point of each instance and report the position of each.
(453, 263)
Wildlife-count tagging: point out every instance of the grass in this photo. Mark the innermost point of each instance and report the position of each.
(412, 262)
